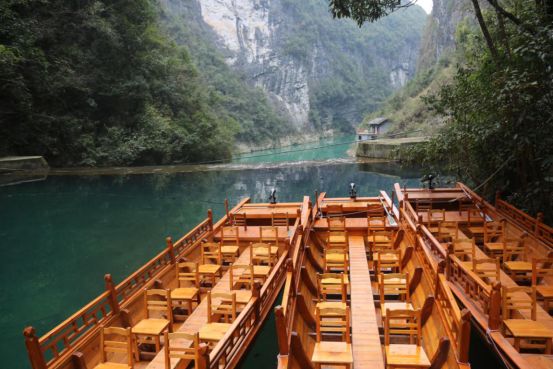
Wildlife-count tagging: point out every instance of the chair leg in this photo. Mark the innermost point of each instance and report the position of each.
(136, 349)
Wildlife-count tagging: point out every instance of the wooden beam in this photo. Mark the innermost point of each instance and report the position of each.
(464, 336)
(427, 307)
(299, 353)
(170, 249)
(301, 305)
(415, 280)
(36, 356)
(112, 297)
(494, 312)
(306, 279)
(440, 356)
(77, 359)
(406, 256)
(282, 335)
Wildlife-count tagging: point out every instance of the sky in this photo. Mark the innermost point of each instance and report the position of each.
(426, 5)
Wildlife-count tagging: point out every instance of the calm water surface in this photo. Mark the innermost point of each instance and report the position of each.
(60, 236)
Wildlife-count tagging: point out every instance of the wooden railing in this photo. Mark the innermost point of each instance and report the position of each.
(532, 225)
(470, 283)
(432, 243)
(55, 346)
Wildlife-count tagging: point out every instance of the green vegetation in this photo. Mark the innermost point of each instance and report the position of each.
(101, 83)
(351, 65)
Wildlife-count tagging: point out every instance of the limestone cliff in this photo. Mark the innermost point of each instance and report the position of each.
(321, 74)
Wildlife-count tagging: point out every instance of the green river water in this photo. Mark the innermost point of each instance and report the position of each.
(60, 236)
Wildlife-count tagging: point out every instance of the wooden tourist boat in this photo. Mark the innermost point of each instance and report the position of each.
(497, 261)
(202, 299)
(363, 291)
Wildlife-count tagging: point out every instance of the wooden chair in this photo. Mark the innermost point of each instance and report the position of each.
(497, 248)
(475, 218)
(493, 231)
(465, 206)
(336, 224)
(230, 243)
(158, 302)
(388, 261)
(488, 269)
(183, 352)
(435, 216)
(280, 220)
(241, 278)
(404, 323)
(397, 285)
(332, 321)
(338, 239)
(269, 235)
(379, 241)
(423, 206)
(542, 271)
(520, 300)
(465, 250)
(121, 346)
(240, 220)
(212, 258)
(188, 290)
(376, 222)
(336, 259)
(219, 316)
(447, 231)
(515, 260)
(331, 284)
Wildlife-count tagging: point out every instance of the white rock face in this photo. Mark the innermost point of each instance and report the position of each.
(244, 28)
(399, 76)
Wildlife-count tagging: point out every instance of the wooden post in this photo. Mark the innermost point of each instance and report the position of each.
(464, 336)
(497, 196)
(405, 199)
(210, 219)
(256, 293)
(450, 251)
(494, 318)
(441, 268)
(112, 298)
(203, 357)
(226, 210)
(282, 334)
(170, 249)
(36, 356)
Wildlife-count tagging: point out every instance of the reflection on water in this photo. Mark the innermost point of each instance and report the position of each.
(60, 236)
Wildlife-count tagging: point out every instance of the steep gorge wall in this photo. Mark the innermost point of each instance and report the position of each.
(320, 73)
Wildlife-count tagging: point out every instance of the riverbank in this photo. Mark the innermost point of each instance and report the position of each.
(387, 148)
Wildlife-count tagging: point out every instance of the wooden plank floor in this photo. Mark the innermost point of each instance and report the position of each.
(198, 318)
(367, 350)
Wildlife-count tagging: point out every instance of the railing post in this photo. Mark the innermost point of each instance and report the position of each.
(405, 200)
(112, 298)
(497, 197)
(494, 313)
(36, 356)
(170, 249)
(256, 293)
(226, 210)
(464, 336)
(450, 251)
(203, 357)
(210, 219)
(282, 334)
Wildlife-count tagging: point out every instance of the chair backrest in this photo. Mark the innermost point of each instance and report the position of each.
(404, 323)
(337, 240)
(388, 260)
(333, 321)
(422, 206)
(541, 268)
(239, 220)
(260, 253)
(226, 309)
(336, 224)
(334, 209)
(514, 249)
(188, 273)
(181, 352)
(475, 216)
(331, 284)
(335, 259)
(435, 216)
(376, 222)
(394, 284)
(380, 241)
(493, 231)
(230, 235)
(280, 220)
(464, 249)
(241, 276)
(518, 299)
(211, 253)
(487, 268)
(120, 346)
(158, 302)
(448, 229)
(376, 210)
(268, 234)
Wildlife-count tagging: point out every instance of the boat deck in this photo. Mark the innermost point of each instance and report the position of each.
(367, 349)
(198, 318)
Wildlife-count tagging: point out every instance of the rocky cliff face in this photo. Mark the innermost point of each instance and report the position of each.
(439, 34)
(320, 73)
